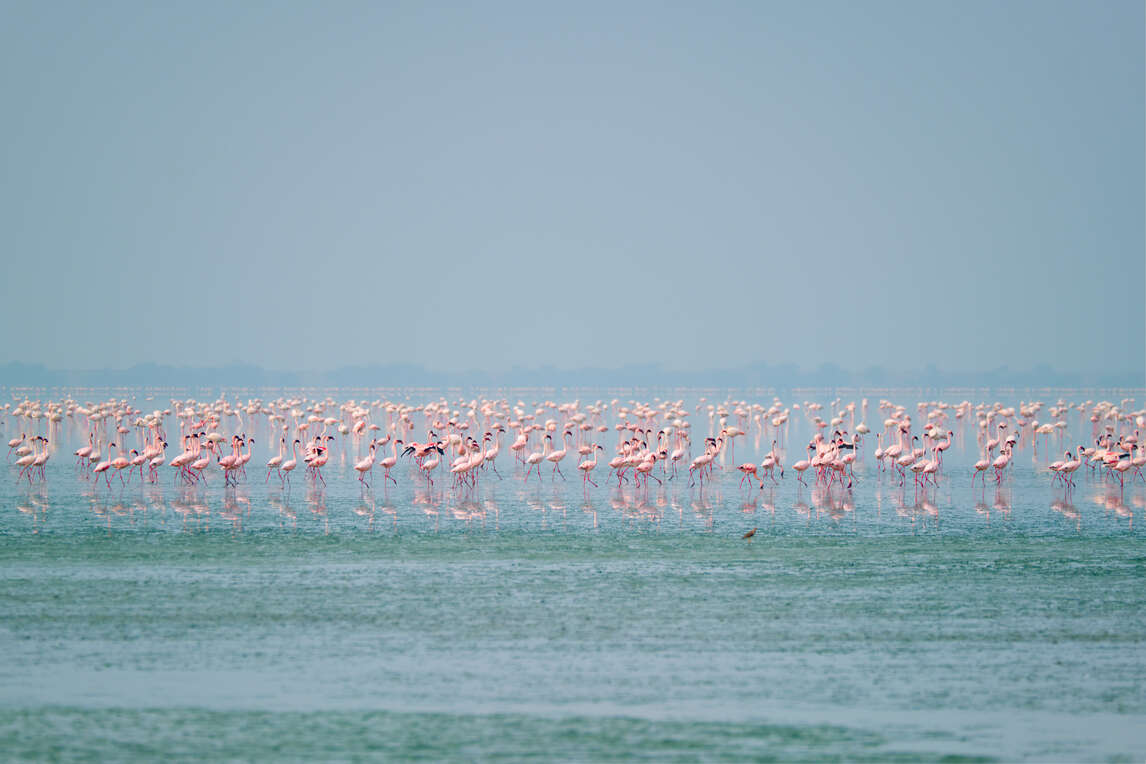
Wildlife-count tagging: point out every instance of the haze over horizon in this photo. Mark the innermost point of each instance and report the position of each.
(307, 187)
(19, 376)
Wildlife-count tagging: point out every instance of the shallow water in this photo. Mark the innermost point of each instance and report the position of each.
(549, 621)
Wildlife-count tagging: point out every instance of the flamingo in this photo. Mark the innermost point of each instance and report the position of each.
(931, 469)
(769, 464)
(229, 463)
(492, 452)
(320, 459)
(289, 465)
(1056, 467)
(431, 464)
(16, 443)
(389, 462)
(94, 457)
(245, 456)
(1068, 468)
(589, 465)
(137, 460)
(519, 444)
(102, 468)
(157, 461)
(981, 468)
(678, 455)
(84, 452)
(365, 465)
(1001, 463)
(181, 461)
(945, 444)
(556, 456)
(802, 466)
(908, 458)
(619, 463)
(535, 459)
(1139, 461)
(25, 461)
(203, 461)
(747, 468)
(121, 462)
(645, 467)
(275, 462)
(41, 459)
(699, 464)
(1122, 466)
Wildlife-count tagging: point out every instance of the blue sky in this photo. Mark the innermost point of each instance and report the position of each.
(305, 185)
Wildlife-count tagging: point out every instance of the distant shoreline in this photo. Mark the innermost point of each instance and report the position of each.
(758, 376)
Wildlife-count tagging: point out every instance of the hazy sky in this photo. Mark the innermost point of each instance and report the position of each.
(308, 185)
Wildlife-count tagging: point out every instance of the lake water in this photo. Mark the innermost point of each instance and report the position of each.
(527, 620)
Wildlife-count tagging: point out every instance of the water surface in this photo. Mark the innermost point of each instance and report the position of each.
(548, 621)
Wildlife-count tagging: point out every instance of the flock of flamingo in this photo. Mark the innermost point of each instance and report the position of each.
(653, 440)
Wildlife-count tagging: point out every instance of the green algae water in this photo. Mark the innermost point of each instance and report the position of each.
(547, 621)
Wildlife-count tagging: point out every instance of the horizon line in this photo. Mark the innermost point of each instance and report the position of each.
(827, 366)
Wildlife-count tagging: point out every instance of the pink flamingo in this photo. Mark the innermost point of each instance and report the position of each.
(981, 468)
(679, 453)
(245, 456)
(768, 466)
(42, 458)
(431, 464)
(747, 468)
(120, 462)
(1001, 463)
(365, 465)
(275, 462)
(202, 462)
(137, 461)
(492, 452)
(556, 456)
(25, 462)
(157, 462)
(1122, 466)
(1056, 467)
(290, 464)
(645, 467)
(102, 468)
(700, 464)
(83, 453)
(904, 462)
(535, 459)
(320, 459)
(16, 443)
(802, 466)
(1138, 461)
(389, 462)
(619, 464)
(183, 461)
(931, 469)
(230, 462)
(589, 465)
(1069, 468)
